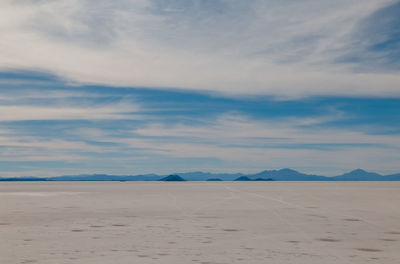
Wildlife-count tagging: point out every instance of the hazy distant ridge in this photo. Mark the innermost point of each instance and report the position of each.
(276, 175)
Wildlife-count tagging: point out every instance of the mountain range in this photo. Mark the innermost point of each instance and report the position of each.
(268, 175)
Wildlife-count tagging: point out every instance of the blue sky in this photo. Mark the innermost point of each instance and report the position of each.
(150, 86)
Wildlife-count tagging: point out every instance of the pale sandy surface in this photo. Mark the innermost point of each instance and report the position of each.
(216, 222)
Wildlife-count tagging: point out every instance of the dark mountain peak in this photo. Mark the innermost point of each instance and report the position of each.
(173, 177)
(358, 171)
(287, 170)
(243, 178)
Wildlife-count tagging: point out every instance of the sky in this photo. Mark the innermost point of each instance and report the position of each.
(161, 86)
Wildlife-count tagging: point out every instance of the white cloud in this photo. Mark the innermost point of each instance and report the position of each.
(260, 47)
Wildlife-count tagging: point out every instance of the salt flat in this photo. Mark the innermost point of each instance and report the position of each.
(199, 222)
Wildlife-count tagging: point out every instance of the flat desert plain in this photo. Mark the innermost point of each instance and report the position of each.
(199, 222)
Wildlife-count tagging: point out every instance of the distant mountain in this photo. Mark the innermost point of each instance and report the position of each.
(287, 175)
(362, 175)
(23, 179)
(214, 179)
(202, 176)
(105, 177)
(392, 177)
(173, 178)
(243, 178)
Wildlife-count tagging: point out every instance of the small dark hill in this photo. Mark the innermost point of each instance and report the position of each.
(173, 178)
(215, 179)
(243, 178)
(262, 179)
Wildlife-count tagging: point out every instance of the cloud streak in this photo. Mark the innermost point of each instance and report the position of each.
(21, 104)
(28, 113)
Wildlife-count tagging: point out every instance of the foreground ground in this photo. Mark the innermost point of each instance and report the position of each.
(199, 222)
